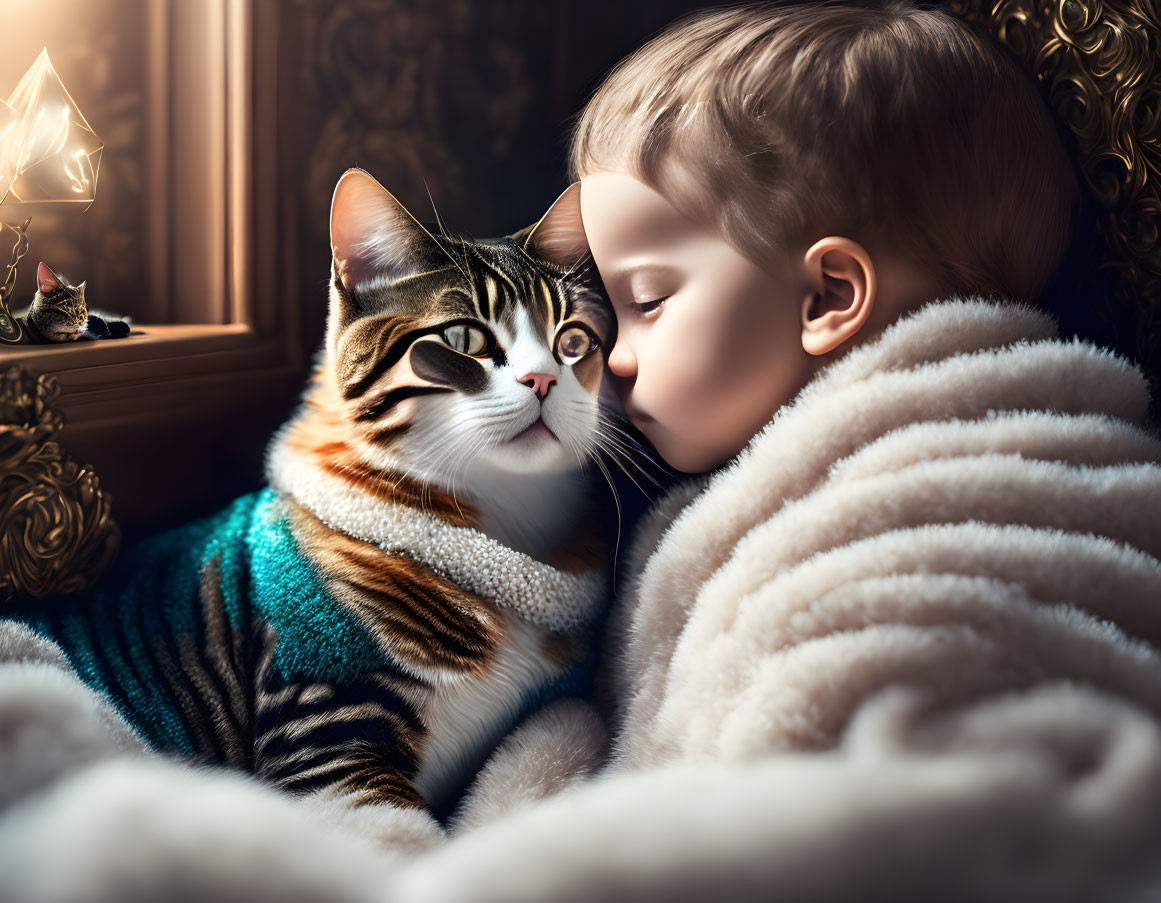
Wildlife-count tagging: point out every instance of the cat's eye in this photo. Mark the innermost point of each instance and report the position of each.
(466, 339)
(573, 344)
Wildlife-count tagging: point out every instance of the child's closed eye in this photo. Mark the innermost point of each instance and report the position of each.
(645, 308)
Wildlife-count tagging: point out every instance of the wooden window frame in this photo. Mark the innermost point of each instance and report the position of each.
(213, 216)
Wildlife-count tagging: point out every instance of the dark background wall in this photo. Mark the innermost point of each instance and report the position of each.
(472, 98)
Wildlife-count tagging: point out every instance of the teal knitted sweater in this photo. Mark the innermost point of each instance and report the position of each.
(151, 595)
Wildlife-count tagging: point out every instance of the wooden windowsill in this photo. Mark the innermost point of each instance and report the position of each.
(145, 342)
(167, 372)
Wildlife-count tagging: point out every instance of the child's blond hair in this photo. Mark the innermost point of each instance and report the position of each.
(894, 125)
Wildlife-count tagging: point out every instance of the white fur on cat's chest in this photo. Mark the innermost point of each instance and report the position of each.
(467, 716)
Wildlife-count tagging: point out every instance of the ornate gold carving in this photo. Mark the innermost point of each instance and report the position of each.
(56, 535)
(1101, 65)
(11, 331)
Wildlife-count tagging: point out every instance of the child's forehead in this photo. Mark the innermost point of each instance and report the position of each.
(625, 216)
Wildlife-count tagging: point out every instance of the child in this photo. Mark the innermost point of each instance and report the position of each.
(904, 634)
(800, 177)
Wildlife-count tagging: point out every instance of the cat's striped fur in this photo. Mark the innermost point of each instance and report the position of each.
(312, 632)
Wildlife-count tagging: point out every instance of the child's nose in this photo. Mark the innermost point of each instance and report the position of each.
(621, 361)
(539, 382)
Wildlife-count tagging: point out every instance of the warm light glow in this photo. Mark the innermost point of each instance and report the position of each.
(49, 155)
(10, 123)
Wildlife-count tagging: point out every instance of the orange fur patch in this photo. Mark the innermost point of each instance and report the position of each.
(424, 619)
(325, 435)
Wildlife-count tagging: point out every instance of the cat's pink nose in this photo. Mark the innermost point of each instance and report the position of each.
(539, 382)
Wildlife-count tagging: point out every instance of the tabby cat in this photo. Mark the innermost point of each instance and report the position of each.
(423, 569)
(59, 313)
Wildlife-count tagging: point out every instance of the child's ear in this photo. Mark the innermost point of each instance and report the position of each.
(559, 236)
(843, 293)
(46, 279)
(373, 236)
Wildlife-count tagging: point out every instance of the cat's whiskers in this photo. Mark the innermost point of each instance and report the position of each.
(616, 432)
(407, 474)
(588, 257)
(463, 468)
(435, 210)
(447, 436)
(436, 471)
(613, 454)
(619, 455)
(614, 445)
(467, 259)
(617, 501)
(577, 410)
(463, 268)
(616, 442)
(468, 459)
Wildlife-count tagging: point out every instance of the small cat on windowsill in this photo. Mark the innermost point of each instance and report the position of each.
(58, 313)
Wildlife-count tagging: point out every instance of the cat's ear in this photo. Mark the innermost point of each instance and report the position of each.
(559, 235)
(46, 279)
(373, 237)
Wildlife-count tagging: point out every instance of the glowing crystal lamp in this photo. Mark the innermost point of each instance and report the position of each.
(9, 134)
(49, 154)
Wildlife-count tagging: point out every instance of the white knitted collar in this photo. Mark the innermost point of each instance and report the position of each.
(552, 598)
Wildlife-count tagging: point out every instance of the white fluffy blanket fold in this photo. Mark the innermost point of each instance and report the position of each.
(965, 506)
(905, 646)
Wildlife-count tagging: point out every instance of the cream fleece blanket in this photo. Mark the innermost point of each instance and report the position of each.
(904, 647)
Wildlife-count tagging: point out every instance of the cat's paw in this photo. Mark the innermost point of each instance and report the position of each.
(107, 327)
(558, 748)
